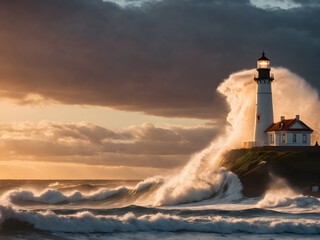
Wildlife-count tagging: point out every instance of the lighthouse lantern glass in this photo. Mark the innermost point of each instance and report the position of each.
(263, 64)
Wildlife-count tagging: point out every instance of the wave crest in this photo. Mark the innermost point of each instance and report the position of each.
(86, 222)
(54, 196)
(281, 195)
(51, 196)
(217, 184)
(300, 201)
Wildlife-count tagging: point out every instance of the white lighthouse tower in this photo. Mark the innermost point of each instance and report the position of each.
(264, 108)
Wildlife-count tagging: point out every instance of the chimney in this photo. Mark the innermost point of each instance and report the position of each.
(298, 117)
(282, 118)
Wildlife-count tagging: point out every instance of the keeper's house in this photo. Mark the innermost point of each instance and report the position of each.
(289, 132)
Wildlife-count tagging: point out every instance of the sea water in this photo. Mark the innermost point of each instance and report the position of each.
(108, 209)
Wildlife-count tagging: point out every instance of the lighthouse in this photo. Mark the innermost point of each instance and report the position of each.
(286, 132)
(264, 108)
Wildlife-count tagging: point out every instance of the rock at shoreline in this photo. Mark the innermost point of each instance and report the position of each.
(299, 166)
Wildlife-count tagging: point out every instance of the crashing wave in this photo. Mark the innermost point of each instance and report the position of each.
(299, 201)
(53, 196)
(280, 194)
(86, 222)
(215, 184)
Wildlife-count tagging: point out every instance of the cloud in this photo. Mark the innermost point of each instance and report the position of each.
(140, 146)
(307, 2)
(164, 58)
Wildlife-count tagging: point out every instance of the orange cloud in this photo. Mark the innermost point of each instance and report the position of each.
(140, 146)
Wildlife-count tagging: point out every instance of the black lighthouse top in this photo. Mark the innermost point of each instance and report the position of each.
(263, 68)
(263, 57)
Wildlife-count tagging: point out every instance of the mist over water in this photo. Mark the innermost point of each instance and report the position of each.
(202, 201)
(281, 195)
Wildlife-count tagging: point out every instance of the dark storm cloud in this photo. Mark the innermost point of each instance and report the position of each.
(307, 2)
(165, 58)
(141, 145)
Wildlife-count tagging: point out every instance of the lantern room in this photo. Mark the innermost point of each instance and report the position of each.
(263, 62)
(263, 69)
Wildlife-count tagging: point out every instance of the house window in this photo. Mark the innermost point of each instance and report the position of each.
(258, 117)
(304, 138)
(283, 138)
(294, 137)
(271, 138)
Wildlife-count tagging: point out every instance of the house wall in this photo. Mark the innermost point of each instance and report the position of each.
(289, 138)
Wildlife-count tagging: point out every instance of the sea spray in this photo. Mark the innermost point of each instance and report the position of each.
(201, 178)
(280, 194)
(279, 199)
(218, 183)
(291, 95)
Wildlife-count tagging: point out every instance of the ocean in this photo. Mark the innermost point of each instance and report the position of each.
(113, 209)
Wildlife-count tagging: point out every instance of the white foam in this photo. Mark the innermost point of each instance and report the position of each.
(55, 184)
(299, 201)
(281, 195)
(149, 182)
(215, 184)
(86, 222)
(51, 196)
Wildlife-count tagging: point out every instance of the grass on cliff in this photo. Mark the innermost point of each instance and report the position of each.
(255, 160)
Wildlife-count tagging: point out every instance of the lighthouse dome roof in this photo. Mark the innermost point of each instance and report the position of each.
(263, 57)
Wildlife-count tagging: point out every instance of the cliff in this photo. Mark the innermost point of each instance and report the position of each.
(300, 166)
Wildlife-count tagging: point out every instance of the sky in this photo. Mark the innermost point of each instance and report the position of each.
(127, 89)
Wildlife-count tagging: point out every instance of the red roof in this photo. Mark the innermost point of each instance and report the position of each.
(285, 125)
